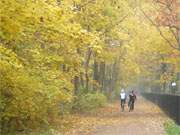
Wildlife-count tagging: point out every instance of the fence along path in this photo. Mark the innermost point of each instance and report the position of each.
(170, 103)
(147, 119)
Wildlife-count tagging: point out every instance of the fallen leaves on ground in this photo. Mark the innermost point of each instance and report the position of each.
(85, 124)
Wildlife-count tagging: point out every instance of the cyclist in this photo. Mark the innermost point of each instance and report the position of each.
(123, 99)
(132, 98)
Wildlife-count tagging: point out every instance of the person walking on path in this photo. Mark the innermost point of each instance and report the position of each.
(132, 98)
(123, 99)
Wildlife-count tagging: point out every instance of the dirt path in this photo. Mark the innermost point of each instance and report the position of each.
(147, 119)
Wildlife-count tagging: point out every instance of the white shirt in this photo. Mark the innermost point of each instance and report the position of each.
(123, 95)
(173, 84)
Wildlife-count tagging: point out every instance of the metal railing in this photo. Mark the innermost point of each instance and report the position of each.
(170, 103)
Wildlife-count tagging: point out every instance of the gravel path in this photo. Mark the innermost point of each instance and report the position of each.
(147, 119)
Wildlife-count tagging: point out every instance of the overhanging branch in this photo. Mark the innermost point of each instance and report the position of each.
(159, 30)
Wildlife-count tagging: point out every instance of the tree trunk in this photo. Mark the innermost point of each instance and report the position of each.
(82, 80)
(96, 74)
(76, 84)
(102, 75)
(89, 52)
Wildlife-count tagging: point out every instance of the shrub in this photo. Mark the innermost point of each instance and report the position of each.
(90, 102)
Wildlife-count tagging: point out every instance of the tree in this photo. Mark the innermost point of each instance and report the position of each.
(167, 17)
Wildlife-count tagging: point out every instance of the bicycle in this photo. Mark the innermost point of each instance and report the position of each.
(131, 106)
(122, 105)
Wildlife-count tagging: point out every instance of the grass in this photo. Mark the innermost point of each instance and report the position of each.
(171, 128)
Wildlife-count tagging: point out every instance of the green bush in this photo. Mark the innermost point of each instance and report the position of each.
(171, 128)
(90, 102)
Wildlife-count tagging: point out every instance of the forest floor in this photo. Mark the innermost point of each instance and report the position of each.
(146, 119)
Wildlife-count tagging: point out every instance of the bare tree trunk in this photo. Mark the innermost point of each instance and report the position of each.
(96, 70)
(89, 52)
(76, 84)
(102, 75)
(82, 80)
(96, 73)
(114, 75)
